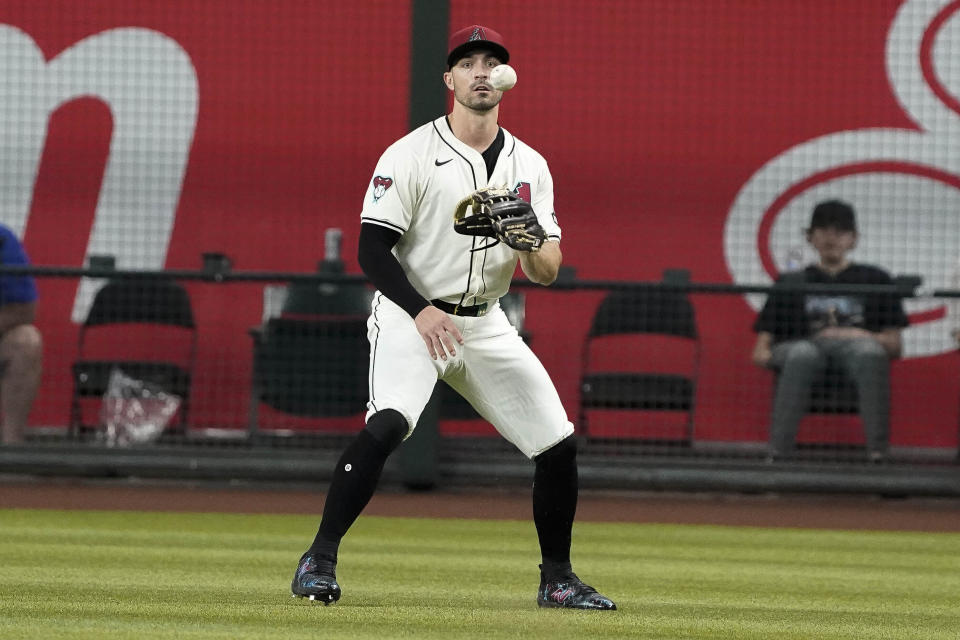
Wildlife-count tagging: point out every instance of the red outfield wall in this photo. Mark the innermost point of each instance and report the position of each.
(677, 133)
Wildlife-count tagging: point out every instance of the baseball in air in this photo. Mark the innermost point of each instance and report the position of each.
(503, 77)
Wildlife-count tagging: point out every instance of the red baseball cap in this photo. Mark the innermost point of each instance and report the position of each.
(475, 37)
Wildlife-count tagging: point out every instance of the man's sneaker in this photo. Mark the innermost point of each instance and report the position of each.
(316, 579)
(570, 592)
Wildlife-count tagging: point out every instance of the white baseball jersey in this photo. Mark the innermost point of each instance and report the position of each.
(415, 189)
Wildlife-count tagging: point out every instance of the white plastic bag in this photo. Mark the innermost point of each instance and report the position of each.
(135, 411)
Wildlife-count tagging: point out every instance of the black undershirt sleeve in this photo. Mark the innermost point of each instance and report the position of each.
(381, 266)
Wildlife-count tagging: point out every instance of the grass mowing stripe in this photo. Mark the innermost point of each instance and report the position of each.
(172, 575)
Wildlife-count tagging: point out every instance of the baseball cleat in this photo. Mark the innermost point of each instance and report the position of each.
(316, 579)
(570, 592)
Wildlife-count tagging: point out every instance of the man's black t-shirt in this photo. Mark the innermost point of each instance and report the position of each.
(793, 315)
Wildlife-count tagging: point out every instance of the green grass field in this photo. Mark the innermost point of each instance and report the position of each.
(82, 574)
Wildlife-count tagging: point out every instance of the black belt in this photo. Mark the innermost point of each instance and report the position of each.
(460, 310)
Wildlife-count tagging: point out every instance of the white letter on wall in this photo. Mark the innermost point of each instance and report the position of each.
(149, 83)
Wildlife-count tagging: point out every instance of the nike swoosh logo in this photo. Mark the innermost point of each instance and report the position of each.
(440, 164)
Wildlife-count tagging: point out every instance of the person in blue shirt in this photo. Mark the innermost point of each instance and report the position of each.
(21, 344)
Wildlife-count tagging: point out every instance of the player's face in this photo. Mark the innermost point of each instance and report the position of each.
(468, 79)
(832, 244)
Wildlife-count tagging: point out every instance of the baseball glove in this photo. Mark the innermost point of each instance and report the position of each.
(500, 214)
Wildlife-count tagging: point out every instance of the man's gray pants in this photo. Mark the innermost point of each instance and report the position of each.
(801, 362)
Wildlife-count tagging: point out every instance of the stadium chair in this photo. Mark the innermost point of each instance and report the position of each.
(834, 392)
(311, 361)
(641, 362)
(145, 328)
(832, 417)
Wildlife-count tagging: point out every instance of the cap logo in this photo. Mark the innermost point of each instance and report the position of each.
(476, 35)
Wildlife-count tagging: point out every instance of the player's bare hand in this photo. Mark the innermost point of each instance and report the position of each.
(436, 328)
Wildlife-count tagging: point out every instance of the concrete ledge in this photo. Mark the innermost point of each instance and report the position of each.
(635, 473)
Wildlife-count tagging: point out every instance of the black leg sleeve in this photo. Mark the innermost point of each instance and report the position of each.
(555, 488)
(355, 478)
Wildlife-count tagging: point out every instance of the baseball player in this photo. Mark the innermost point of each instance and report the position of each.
(451, 208)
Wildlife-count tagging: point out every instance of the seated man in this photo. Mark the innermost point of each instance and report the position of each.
(21, 346)
(798, 333)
